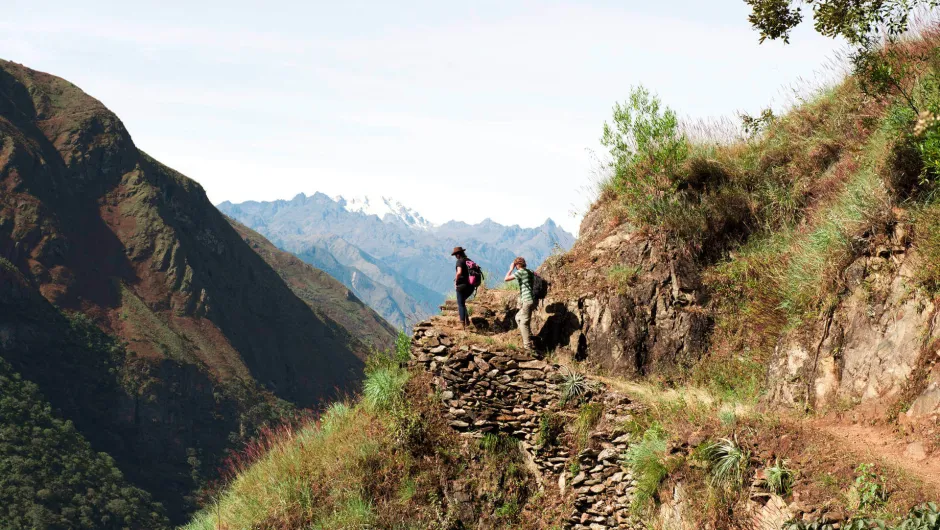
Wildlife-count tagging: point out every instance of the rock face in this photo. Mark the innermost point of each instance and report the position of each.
(499, 391)
(204, 335)
(873, 351)
(627, 303)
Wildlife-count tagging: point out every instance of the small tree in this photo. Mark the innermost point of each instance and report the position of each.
(854, 20)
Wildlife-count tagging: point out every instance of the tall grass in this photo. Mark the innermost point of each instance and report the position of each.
(817, 256)
(647, 459)
(384, 387)
(314, 474)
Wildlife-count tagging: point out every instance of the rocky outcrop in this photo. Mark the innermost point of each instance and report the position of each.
(873, 351)
(491, 390)
(626, 303)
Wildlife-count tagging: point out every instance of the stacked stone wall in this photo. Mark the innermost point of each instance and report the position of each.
(492, 390)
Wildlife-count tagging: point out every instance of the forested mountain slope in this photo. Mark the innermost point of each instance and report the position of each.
(135, 307)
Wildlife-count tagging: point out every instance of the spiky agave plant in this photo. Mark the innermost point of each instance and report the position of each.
(574, 386)
(729, 462)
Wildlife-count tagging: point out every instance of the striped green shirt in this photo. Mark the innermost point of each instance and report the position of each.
(525, 277)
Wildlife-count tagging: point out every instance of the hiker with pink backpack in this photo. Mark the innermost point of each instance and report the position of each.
(469, 276)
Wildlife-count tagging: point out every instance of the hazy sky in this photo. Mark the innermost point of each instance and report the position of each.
(462, 110)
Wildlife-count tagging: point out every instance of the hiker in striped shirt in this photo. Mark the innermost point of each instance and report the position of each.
(524, 276)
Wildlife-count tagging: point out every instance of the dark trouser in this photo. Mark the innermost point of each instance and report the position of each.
(463, 292)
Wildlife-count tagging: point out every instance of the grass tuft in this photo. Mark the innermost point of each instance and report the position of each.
(729, 463)
(779, 478)
(384, 387)
(622, 277)
(589, 415)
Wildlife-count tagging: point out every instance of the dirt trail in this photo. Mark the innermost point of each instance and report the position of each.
(877, 442)
(864, 442)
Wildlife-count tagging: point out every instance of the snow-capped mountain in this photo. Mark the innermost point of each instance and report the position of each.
(390, 256)
(382, 206)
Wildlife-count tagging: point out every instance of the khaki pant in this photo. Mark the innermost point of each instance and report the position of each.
(523, 317)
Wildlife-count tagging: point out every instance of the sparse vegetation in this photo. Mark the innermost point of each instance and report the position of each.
(551, 425)
(589, 415)
(622, 277)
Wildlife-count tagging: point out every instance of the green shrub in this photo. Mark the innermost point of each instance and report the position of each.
(927, 135)
(923, 517)
(402, 347)
(869, 490)
(647, 147)
(647, 459)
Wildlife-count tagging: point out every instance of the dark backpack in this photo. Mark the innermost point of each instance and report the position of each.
(474, 274)
(539, 287)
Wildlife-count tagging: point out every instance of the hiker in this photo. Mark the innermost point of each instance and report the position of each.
(462, 285)
(525, 277)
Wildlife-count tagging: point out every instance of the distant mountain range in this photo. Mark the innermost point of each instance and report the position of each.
(390, 256)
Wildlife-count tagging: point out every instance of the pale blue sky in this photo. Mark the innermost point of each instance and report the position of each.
(438, 104)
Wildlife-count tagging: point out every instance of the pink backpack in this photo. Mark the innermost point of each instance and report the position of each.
(475, 274)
